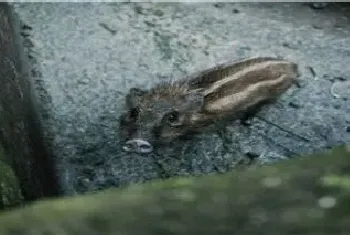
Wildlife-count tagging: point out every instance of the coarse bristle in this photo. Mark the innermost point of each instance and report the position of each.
(169, 89)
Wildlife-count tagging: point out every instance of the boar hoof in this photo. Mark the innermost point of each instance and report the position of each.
(138, 146)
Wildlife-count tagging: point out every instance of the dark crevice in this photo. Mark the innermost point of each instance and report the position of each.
(26, 151)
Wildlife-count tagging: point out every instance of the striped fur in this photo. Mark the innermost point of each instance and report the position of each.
(230, 89)
(244, 84)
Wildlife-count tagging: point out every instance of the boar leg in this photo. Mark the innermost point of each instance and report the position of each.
(252, 111)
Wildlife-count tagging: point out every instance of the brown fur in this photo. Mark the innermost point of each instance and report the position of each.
(230, 89)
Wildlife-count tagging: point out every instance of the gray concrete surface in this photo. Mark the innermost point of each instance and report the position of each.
(88, 55)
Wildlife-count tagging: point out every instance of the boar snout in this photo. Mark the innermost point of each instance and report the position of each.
(138, 146)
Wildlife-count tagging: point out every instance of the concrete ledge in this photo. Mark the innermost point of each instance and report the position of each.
(20, 130)
(302, 196)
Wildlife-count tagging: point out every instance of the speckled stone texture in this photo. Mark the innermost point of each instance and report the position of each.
(87, 55)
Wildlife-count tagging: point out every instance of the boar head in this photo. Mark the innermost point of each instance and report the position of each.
(158, 116)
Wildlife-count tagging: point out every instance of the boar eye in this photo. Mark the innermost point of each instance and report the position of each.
(133, 113)
(173, 117)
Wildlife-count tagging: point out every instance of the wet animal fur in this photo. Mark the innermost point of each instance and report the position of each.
(232, 89)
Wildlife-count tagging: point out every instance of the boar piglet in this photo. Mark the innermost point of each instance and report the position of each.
(172, 110)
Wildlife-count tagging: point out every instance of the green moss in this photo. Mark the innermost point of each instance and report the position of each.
(302, 196)
(10, 192)
(336, 181)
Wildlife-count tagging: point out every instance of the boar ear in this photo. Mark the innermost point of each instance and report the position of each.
(193, 101)
(134, 96)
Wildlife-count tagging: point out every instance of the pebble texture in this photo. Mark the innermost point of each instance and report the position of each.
(88, 55)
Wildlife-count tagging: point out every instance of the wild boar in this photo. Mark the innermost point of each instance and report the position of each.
(174, 109)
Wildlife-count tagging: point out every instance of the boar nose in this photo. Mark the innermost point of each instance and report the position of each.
(138, 146)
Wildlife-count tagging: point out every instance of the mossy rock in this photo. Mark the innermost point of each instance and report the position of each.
(10, 192)
(308, 195)
(20, 127)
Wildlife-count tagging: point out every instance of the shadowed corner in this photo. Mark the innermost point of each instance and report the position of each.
(27, 153)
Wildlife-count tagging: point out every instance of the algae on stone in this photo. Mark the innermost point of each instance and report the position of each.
(10, 192)
(20, 129)
(301, 196)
